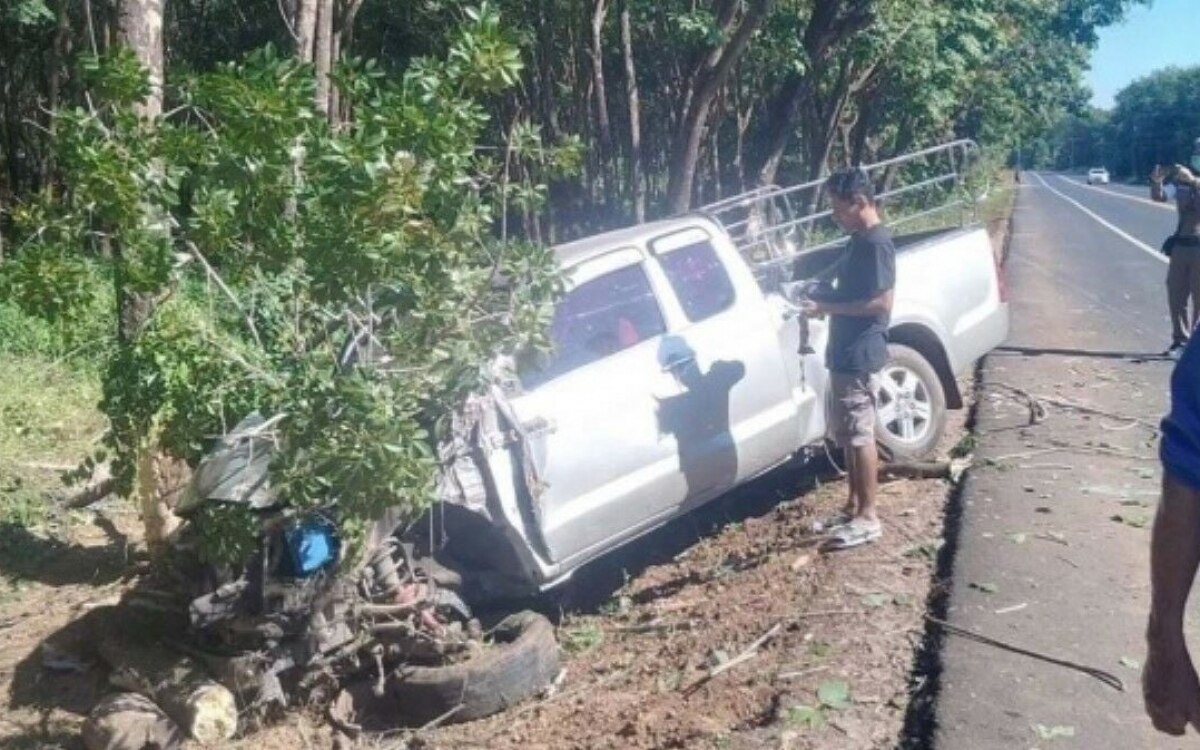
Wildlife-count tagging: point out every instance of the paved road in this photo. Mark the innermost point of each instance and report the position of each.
(1041, 562)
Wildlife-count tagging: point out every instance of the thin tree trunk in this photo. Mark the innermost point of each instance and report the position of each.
(322, 55)
(306, 28)
(58, 56)
(715, 154)
(545, 63)
(599, 90)
(686, 153)
(343, 40)
(636, 188)
(141, 26)
(781, 119)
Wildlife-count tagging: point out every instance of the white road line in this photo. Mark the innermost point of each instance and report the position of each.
(1104, 223)
(1126, 196)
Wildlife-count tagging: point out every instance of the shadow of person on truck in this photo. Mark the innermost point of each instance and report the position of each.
(698, 418)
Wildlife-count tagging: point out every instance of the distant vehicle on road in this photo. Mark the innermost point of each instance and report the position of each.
(1097, 176)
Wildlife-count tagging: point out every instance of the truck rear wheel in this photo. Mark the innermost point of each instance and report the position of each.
(911, 406)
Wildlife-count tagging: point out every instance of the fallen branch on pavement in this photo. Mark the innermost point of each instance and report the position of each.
(1037, 409)
(1107, 678)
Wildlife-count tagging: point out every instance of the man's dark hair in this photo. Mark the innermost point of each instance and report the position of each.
(847, 184)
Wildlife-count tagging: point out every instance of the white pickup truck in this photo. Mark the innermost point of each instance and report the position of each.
(680, 370)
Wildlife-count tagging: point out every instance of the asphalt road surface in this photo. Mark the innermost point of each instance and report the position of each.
(1052, 550)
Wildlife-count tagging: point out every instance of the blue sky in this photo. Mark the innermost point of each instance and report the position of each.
(1165, 33)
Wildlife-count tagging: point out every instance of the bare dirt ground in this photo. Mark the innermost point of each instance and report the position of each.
(639, 631)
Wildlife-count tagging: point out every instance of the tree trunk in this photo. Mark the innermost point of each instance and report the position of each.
(343, 39)
(708, 82)
(204, 709)
(141, 26)
(322, 51)
(636, 188)
(306, 28)
(600, 91)
(547, 83)
(781, 120)
(830, 23)
(59, 52)
(125, 720)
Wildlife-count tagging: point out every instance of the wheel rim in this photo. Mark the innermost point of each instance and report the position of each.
(905, 407)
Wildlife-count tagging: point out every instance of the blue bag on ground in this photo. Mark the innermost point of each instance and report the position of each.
(311, 546)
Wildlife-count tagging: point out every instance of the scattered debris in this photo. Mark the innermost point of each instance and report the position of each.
(129, 721)
(1014, 608)
(749, 653)
(834, 694)
(1052, 733)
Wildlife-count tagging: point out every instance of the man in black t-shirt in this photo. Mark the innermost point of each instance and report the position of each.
(858, 300)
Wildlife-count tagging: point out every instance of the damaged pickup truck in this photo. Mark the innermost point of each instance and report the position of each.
(681, 368)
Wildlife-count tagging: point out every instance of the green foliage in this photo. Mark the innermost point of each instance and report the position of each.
(269, 239)
(227, 533)
(582, 638)
(1155, 121)
(28, 13)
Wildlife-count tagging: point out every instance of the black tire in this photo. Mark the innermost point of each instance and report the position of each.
(909, 372)
(521, 661)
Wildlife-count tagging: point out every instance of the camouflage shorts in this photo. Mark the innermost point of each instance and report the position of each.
(852, 408)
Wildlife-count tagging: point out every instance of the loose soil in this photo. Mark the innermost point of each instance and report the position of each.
(639, 630)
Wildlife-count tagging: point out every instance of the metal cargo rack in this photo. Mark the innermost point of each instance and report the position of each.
(772, 226)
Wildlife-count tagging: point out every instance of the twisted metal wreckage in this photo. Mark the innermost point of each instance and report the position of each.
(389, 644)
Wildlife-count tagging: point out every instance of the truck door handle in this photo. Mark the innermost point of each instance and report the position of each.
(678, 363)
(539, 426)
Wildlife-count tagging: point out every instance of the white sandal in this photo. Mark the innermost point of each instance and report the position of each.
(831, 523)
(854, 534)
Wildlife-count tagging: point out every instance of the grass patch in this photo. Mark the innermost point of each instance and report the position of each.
(998, 205)
(581, 638)
(48, 423)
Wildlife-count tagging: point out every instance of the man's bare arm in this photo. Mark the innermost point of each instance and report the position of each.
(881, 304)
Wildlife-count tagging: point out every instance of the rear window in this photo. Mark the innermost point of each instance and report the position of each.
(603, 316)
(699, 280)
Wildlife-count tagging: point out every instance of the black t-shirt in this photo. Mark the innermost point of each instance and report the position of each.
(866, 269)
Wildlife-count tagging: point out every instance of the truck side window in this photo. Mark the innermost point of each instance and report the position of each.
(699, 280)
(598, 318)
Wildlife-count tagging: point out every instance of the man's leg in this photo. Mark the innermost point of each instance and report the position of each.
(866, 453)
(862, 464)
(866, 479)
(852, 503)
(1194, 286)
(841, 421)
(1178, 287)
